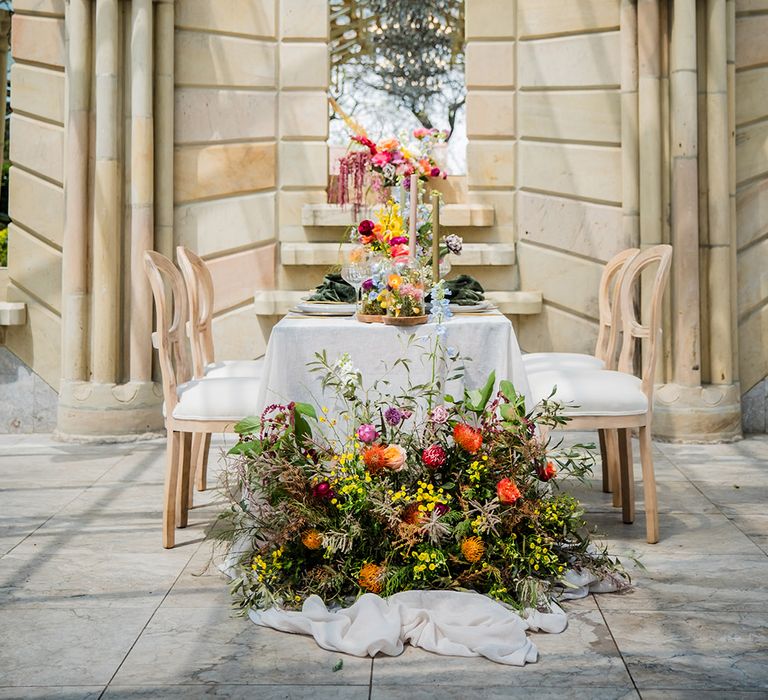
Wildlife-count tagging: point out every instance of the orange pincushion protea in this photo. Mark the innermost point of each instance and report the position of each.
(375, 458)
(312, 539)
(473, 549)
(370, 577)
(467, 438)
(411, 514)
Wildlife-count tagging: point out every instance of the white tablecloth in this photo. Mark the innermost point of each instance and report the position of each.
(488, 339)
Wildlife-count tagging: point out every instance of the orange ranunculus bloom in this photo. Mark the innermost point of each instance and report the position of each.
(395, 457)
(394, 281)
(375, 458)
(356, 255)
(388, 145)
(467, 438)
(507, 491)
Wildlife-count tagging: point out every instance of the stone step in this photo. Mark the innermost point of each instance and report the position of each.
(451, 215)
(13, 313)
(327, 254)
(277, 302)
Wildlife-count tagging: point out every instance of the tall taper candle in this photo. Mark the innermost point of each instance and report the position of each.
(435, 237)
(412, 224)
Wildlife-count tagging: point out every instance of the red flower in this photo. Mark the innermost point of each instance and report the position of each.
(435, 172)
(365, 227)
(507, 491)
(466, 437)
(433, 457)
(547, 472)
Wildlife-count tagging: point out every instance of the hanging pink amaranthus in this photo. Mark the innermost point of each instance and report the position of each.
(354, 166)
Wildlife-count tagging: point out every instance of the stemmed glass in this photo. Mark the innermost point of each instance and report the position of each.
(355, 270)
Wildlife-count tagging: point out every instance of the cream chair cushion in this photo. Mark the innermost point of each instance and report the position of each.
(224, 398)
(591, 392)
(541, 361)
(235, 368)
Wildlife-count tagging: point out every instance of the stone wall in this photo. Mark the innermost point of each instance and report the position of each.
(752, 192)
(36, 183)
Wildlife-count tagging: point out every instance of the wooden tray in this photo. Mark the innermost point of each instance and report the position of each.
(370, 318)
(405, 320)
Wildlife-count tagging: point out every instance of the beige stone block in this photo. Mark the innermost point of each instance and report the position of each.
(568, 281)
(751, 95)
(303, 164)
(304, 19)
(753, 339)
(216, 226)
(592, 115)
(213, 59)
(241, 334)
(590, 172)
(37, 205)
(503, 204)
(488, 19)
(13, 313)
(752, 213)
(250, 17)
(490, 64)
(38, 39)
(291, 205)
(37, 146)
(591, 230)
(751, 151)
(546, 17)
(751, 5)
(209, 114)
(752, 275)
(491, 164)
(215, 171)
(38, 91)
(38, 342)
(751, 44)
(304, 65)
(229, 273)
(304, 115)
(574, 61)
(34, 266)
(490, 113)
(48, 7)
(556, 330)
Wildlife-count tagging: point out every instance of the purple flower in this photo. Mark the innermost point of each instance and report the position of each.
(322, 490)
(398, 240)
(435, 172)
(365, 227)
(439, 414)
(393, 416)
(368, 285)
(441, 508)
(454, 243)
(367, 433)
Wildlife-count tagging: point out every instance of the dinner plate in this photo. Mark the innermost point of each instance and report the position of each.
(337, 308)
(472, 308)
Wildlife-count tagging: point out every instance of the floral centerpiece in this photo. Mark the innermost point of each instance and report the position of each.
(378, 166)
(404, 298)
(417, 490)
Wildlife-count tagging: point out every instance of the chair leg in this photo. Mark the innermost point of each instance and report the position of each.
(184, 461)
(614, 465)
(607, 485)
(171, 479)
(627, 476)
(197, 445)
(202, 465)
(649, 486)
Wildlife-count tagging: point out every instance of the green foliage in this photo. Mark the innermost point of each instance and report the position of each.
(4, 247)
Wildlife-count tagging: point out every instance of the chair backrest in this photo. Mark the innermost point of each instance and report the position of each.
(609, 309)
(199, 284)
(632, 327)
(168, 285)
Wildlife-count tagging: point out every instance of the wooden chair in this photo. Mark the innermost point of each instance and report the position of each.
(191, 406)
(619, 400)
(199, 284)
(604, 358)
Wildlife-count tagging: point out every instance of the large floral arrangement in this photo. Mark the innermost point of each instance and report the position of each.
(386, 163)
(410, 491)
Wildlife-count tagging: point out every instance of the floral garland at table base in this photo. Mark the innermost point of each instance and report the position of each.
(405, 491)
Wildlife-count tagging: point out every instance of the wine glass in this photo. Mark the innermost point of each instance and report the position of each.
(355, 270)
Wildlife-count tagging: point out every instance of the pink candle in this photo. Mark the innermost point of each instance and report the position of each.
(412, 224)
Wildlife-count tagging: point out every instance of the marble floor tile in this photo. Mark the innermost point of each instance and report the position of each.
(737, 496)
(238, 692)
(48, 646)
(583, 655)
(681, 582)
(201, 584)
(508, 692)
(211, 645)
(678, 694)
(71, 692)
(689, 650)
(754, 526)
